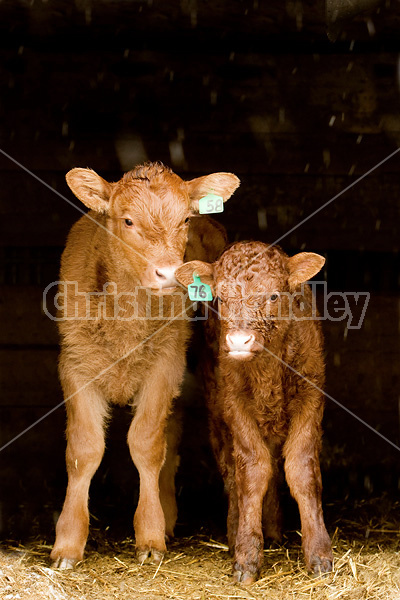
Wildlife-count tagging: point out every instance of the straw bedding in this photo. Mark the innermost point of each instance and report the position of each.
(366, 551)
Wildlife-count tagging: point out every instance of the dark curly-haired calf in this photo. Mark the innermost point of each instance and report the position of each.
(264, 372)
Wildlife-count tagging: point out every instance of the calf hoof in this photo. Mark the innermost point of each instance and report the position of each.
(64, 563)
(320, 565)
(242, 576)
(149, 556)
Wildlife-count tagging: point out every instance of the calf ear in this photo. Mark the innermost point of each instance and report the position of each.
(303, 266)
(184, 274)
(90, 188)
(221, 184)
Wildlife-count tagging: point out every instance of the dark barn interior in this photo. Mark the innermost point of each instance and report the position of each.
(257, 88)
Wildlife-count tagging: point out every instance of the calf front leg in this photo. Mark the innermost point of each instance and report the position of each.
(147, 445)
(86, 412)
(303, 475)
(253, 472)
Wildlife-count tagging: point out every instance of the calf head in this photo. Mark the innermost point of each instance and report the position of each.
(252, 285)
(147, 214)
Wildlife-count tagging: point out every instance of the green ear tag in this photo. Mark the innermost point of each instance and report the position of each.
(211, 204)
(199, 290)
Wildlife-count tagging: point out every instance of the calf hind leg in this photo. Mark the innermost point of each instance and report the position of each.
(168, 472)
(86, 412)
(221, 442)
(272, 513)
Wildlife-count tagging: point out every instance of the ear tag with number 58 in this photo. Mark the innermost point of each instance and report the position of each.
(199, 290)
(211, 204)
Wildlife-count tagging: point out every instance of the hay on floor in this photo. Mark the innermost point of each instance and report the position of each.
(367, 566)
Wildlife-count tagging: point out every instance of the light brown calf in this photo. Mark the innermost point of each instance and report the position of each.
(264, 383)
(135, 237)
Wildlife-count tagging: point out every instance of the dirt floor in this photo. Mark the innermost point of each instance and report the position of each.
(366, 550)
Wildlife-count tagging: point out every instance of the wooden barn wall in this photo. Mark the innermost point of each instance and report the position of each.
(251, 87)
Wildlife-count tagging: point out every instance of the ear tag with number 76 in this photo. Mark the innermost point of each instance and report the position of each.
(211, 204)
(199, 290)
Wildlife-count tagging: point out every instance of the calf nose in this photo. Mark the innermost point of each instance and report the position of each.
(240, 341)
(165, 276)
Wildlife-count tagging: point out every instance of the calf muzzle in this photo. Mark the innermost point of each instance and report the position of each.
(240, 344)
(161, 278)
(165, 276)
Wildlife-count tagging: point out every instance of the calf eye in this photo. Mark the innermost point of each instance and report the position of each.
(187, 220)
(273, 297)
(128, 222)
